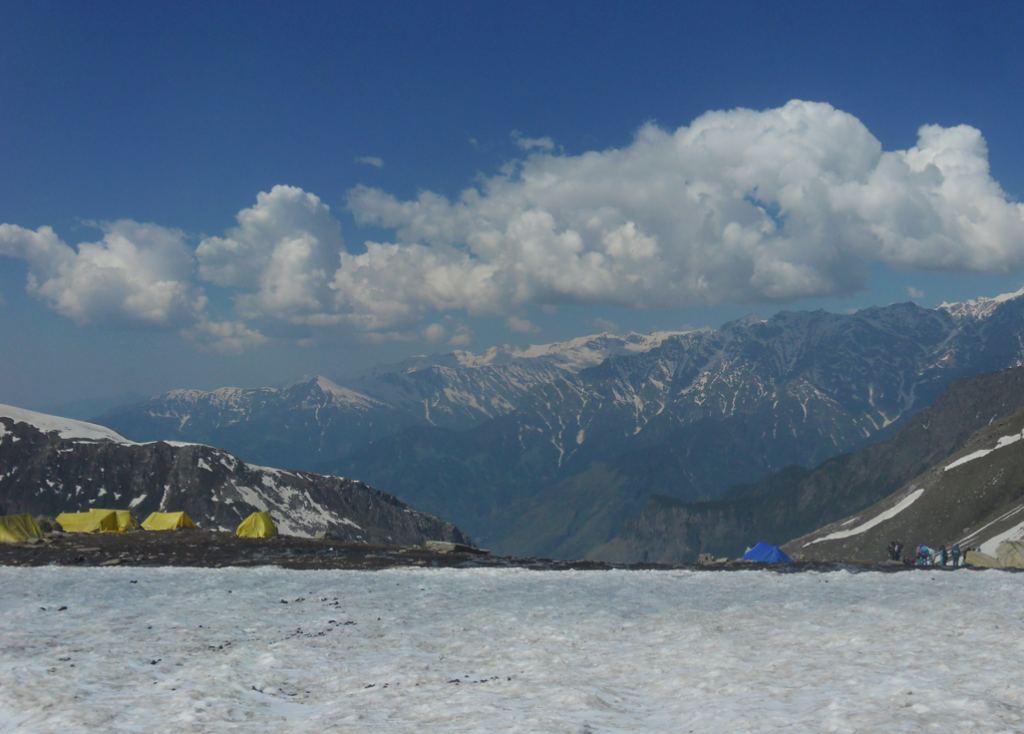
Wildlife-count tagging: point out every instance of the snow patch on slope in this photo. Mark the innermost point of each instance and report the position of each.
(877, 520)
(64, 427)
(1002, 443)
(343, 396)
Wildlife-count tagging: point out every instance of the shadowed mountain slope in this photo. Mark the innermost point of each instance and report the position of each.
(798, 501)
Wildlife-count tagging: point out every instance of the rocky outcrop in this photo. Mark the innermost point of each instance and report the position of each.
(50, 465)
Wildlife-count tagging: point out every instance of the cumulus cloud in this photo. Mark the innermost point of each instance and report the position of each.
(738, 207)
(914, 293)
(520, 326)
(225, 337)
(371, 160)
(545, 143)
(137, 275)
(462, 337)
(434, 333)
(280, 256)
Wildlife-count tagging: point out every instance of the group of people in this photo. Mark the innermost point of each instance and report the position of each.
(926, 556)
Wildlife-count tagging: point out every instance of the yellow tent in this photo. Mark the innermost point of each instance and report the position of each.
(16, 528)
(95, 521)
(257, 525)
(982, 560)
(1011, 554)
(168, 521)
(125, 521)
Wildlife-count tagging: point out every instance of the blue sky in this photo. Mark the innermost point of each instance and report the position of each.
(145, 129)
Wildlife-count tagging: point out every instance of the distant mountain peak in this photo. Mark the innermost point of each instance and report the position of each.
(979, 308)
(342, 395)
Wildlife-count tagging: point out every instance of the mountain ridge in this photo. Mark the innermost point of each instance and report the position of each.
(796, 388)
(50, 465)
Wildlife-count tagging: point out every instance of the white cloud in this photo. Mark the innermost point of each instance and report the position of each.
(462, 337)
(545, 143)
(605, 325)
(281, 255)
(226, 337)
(914, 293)
(371, 160)
(137, 275)
(520, 326)
(434, 333)
(738, 207)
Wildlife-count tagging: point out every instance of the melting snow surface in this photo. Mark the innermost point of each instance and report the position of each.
(877, 520)
(1002, 443)
(65, 427)
(615, 651)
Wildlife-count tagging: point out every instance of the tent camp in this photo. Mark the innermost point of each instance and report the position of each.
(16, 528)
(764, 553)
(257, 525)
(125, 521)
(168, 521)
(95, 521)
(1011, 554)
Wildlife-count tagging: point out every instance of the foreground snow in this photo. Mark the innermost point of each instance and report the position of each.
(533, 652)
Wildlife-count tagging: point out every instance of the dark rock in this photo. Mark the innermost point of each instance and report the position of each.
(42, 473)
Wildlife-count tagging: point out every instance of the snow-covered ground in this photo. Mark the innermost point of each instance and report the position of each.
(217, 650)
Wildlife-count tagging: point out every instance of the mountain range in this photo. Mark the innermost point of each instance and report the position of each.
(551, 450)
(316, 421)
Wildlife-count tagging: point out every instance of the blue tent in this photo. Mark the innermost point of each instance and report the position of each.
(766, 554)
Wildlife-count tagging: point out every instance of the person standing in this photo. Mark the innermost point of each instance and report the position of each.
(943, 556)
(956, 555)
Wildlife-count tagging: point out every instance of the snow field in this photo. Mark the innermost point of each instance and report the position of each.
(534, 651)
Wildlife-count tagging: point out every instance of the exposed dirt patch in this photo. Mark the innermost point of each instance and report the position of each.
(210, 549)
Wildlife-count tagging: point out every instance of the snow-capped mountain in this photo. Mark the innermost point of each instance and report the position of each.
(316, 421)
(300, 426)
(461, 389)
(689, 418)
(514, 444)
(50, 465)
